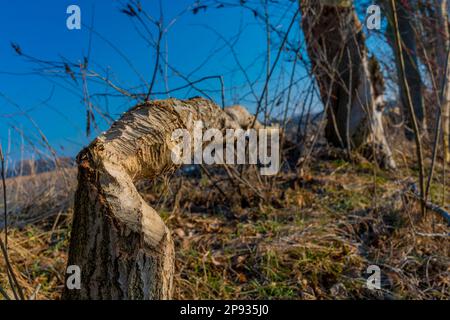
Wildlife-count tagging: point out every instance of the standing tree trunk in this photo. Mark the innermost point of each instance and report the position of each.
(350, 84)
(409, 53)
(435, 43)
(120, 243)
(442, 53)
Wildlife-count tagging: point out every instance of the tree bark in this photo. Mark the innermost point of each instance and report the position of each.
(350, 83)
(412, 72)
(443, 51)
(120, 243)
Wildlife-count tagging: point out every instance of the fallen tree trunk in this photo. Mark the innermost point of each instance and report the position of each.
(120, 243)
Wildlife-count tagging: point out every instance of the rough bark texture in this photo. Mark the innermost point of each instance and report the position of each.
(412, 72)
(434, 44)
(443, 47)
(121, 244)
(350, 83)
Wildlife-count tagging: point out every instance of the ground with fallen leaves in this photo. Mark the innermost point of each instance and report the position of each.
(308, 235)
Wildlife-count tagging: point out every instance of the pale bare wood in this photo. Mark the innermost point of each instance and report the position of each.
(123, 247)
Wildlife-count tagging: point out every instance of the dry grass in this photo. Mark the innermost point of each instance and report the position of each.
(312, 238)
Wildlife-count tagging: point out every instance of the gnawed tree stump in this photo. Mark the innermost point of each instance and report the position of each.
(120, 243)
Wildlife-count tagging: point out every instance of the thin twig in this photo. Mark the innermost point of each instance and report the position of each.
(433, 235)
(4, 294)
(429, 205)
(215, 184)
(155, 70)
(266, 84)
(5, 208)
(3, 246)
(410, 107)
(10, 273)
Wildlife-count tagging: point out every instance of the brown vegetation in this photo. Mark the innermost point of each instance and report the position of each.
(311, 238)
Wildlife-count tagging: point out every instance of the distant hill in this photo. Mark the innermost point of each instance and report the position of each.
(34, 166)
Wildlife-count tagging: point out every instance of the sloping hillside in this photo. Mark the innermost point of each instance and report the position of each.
(297, 237)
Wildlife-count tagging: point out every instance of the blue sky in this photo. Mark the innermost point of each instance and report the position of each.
(38, 104)
(39, 27)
